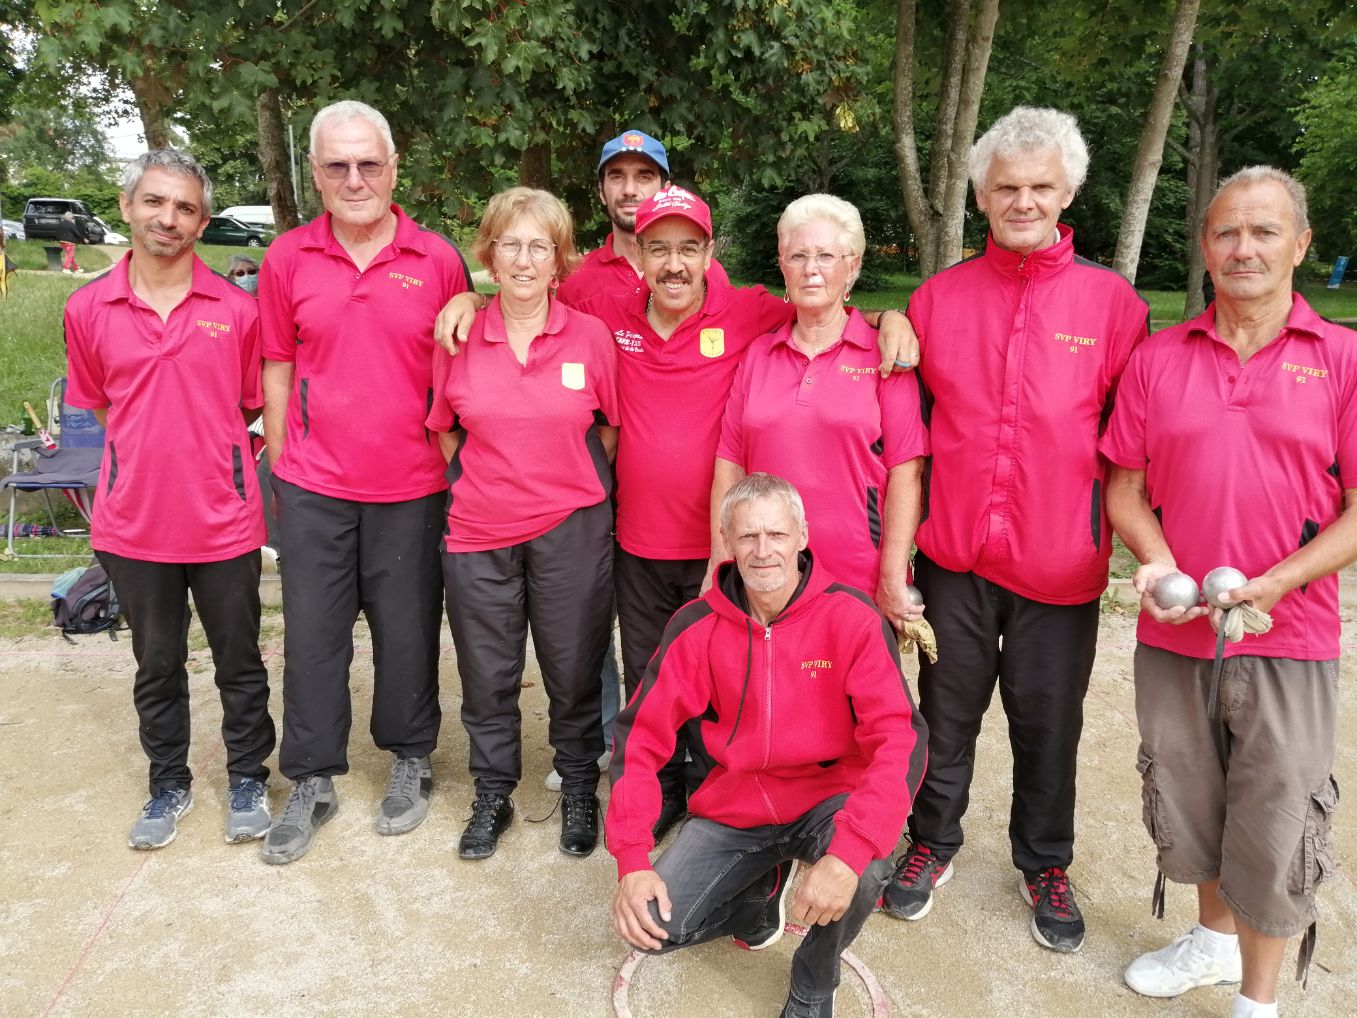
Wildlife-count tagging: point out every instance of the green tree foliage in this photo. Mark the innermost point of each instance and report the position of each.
(1327, 145)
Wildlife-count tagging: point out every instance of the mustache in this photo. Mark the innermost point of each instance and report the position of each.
(1245, 265)
(674, 277)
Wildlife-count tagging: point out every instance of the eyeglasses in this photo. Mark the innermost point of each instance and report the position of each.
(367, 168)
(688, 251)
(240, 273)
(822, 260)
(538, 250)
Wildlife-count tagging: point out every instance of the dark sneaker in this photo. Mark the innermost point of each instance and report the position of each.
(673, 808)
(1057, 922)
(798, 1008)
(579, 824)
(909, 895)
(406, 802)
(490, 815)
(247, 814)
(159, 820)
(773, 921)
(313, 802)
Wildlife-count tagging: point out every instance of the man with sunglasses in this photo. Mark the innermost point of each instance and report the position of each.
(347, 305)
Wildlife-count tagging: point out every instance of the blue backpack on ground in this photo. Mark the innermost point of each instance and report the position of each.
(83, 601)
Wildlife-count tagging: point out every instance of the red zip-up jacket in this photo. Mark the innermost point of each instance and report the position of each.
(1021, 359)
(811, 706)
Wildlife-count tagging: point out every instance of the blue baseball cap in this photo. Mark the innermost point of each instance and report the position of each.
(639, 143)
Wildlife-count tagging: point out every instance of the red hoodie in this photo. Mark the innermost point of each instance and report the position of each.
(812, 706)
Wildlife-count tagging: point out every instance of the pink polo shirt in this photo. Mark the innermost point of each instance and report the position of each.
(532, 453)
(834, 428)
(177, 482)
(605, 271)
(362, 345)
(673, 394)
(1021, 358)
(1245, 464)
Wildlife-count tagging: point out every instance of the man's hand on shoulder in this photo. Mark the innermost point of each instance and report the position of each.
(631, 909)
(453, 324)
(825, 892)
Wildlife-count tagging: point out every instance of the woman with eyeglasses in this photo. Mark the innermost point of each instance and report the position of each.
(808, 404)
(244, 272)
(527, 416)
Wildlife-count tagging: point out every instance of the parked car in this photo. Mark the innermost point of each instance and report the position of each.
(14, 230)
(42, 216)
(229, 230)
(111, 236)
(251, 215)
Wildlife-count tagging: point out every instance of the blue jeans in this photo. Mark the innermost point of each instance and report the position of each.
(719, 880)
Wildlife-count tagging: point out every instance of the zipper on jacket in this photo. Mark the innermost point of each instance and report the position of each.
(767, 694)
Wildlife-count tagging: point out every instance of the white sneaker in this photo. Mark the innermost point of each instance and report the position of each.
(1179, 967)
(553, 780)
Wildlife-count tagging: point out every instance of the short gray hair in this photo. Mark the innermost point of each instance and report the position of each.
(1294, 189)
(812, 208)
(1031, 129)
(349, 109)
(756, 486)
(172, 160)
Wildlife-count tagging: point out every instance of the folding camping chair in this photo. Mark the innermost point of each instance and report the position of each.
(72, 468)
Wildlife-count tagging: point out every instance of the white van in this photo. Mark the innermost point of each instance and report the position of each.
(253, 215)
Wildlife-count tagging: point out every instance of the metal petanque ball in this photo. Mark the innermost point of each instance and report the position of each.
(914, 594)
(1218, 581)
(1176, 590)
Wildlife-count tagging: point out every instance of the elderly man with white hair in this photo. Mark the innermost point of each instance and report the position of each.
(347, 305)
(1023, 348)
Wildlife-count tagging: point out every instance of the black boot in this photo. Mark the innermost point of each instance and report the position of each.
(490, 815)
(579, 823)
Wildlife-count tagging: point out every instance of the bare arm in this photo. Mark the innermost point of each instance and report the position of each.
(277, 391)
(904, 506)
(1128, 508)
(607, 434)
(896, 340)
(102, 417)
(449, 442)
(453, 324)
(725, 477)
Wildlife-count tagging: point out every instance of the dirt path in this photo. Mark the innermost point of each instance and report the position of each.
(399, 926)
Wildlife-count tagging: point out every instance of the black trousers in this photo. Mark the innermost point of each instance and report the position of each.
(343, 557)
(559, 585)
(649, 591)
(154, 596)
(1042, 667)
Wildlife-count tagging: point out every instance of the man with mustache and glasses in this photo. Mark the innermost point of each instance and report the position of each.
(347, 304)
(1234, 442)
(679, 339)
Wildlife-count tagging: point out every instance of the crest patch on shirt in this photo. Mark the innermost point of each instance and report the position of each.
(713, 342)
(572, 375)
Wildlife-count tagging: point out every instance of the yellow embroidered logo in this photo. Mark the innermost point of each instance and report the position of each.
(857, 373)
(212, 327)
(713, 342)
(405, 281)
(813, 666)
(1075, 342)
(1303, 373)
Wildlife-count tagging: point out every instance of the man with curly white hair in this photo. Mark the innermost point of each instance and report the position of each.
(1023, 347)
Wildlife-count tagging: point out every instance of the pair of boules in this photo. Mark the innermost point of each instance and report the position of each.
(1178, 590)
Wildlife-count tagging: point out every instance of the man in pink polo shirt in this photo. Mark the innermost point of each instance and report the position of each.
(632, 167)
(347, 305)
(166, 353)
(1234, 442)
(1023, 346)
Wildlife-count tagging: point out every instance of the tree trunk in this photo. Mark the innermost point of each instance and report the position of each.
(153, 103)
(274, 158)
(906, 142)
(534, 166)
(1202, 168)
(1150, 152)
(979, 43)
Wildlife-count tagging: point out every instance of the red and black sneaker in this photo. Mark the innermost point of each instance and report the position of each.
(1057, 922)
(909, 895)
(773, 921)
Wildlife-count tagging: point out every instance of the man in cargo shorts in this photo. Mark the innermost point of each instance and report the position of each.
(1234, 442)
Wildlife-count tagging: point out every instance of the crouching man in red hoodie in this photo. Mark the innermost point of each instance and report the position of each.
(813, 745)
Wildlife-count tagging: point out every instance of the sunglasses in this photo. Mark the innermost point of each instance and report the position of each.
(368, 168)
(240, 273)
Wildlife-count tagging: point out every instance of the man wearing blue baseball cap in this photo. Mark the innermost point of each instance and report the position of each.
(632, 167)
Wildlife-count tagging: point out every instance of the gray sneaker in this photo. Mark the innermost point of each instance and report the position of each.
(406, 802)
(156, 827)
(247, 814)
(313, 801)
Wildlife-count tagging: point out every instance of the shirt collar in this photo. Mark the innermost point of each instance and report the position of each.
(319, 235)
(118, 287)
(495, 331)
(1036, 263)
(1302, 320)
(856, 331)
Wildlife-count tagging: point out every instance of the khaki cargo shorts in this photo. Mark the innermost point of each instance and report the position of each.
(1248, 797)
